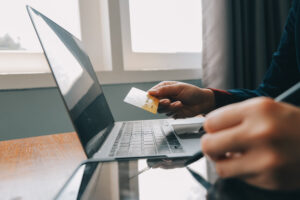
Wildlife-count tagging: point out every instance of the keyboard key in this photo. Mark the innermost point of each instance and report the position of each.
(163, 151)
(122, 153)
(177, 151)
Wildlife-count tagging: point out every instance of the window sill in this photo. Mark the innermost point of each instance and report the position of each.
(44, 80)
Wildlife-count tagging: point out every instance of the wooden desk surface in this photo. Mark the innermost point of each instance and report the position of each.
(36, 168)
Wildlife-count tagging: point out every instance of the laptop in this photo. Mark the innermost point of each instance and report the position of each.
(101, 136)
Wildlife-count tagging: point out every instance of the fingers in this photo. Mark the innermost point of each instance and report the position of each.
(244, 165)
(166, 90)
(168, 107)
(174, 107)
(163, 105)
(229, 140)
(164, 102)
(224, 118)
(164, 83)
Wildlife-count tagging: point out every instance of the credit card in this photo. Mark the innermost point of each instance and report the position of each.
(142, 99)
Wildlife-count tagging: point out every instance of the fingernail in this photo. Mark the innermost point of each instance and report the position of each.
(152, 91)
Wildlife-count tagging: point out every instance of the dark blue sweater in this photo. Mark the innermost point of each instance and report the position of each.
(284, 71)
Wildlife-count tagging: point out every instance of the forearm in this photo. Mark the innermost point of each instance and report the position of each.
(223, 97)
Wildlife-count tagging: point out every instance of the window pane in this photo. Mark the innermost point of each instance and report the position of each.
(166, 26)
(17, 33)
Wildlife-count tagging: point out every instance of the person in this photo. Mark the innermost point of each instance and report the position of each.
(249, 135)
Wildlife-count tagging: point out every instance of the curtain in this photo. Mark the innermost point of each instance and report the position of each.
(239, 38)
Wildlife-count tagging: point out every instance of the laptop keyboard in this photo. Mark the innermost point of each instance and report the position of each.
(143, 138)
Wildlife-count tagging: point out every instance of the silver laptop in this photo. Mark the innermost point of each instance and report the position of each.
(101, 136)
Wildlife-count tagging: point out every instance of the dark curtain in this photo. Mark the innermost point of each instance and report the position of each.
(255, 27)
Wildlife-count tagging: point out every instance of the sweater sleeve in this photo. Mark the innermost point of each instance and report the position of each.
(223, 97)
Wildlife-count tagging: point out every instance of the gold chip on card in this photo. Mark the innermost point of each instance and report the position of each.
(142, 99)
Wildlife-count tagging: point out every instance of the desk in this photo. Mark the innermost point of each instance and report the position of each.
(36, 168)
(119, 181)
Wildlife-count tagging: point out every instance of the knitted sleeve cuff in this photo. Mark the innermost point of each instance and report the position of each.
(222, 97)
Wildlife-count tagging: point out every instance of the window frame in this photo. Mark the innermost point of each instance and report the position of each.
(181, 61)
(90, 18)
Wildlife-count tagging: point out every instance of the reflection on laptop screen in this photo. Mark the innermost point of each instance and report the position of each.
(76, 81)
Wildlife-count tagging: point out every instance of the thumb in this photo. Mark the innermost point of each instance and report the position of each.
(166, 91)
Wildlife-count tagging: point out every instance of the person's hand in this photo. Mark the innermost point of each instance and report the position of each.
(181, 100)
(258, 141)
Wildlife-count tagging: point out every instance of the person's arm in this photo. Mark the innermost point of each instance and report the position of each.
(181, 100)
(257, 141)
(282, 73)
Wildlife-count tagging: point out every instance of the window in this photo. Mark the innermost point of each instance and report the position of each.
(161, 34)
(133, 59)
(20, 51)
(168, 26)
(127, 40)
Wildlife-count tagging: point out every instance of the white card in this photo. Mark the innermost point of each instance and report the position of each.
(142, 99)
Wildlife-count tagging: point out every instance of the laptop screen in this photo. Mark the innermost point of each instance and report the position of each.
(76, 81)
